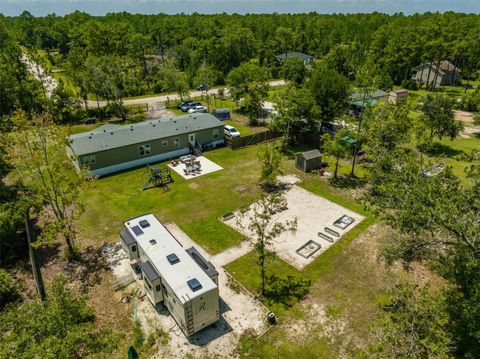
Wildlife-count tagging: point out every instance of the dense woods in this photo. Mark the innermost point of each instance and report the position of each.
(205, 48)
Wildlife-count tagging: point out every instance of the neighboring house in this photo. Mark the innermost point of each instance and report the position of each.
(180, 279)
(306, 59)
(112, 148)
(358, 99)
(398, 96)
(439, 74)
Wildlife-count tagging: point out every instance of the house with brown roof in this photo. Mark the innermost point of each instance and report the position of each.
(437, 73)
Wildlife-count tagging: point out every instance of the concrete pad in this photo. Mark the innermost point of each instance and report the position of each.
(206, 166)
(313, 214)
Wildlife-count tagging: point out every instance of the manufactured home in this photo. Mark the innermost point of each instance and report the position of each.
(112, 148)
(179, 278)
(437, 73)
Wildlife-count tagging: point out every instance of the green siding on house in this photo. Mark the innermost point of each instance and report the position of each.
(129, 153)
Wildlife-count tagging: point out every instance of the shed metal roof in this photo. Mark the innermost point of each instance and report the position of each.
(109, 136)
(309, 155)
(373, 95)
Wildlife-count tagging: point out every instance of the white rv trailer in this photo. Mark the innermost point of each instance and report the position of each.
(182, 279)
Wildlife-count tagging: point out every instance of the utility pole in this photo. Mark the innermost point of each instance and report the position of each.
(37, 274)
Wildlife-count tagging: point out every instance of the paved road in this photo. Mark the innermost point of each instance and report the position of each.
(171, 97)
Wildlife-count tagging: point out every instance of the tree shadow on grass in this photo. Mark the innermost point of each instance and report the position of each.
(87, 270)
(347, 182)
(440, 150)
(286, 291)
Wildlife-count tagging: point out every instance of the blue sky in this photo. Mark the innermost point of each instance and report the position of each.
(101, 7)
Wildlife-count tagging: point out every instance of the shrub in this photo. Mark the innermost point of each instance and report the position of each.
(138, 335)
(410, 85)
(8, 289)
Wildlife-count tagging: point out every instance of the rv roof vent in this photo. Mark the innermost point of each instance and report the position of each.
(90, 137)
(137, 230)
(111, 133)
(194, 284)
(172, 258)
(153, 242)
(144, 223)
(104, 130)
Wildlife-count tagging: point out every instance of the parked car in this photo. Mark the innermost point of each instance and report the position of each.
(183, 103)
(190, 105)
(231, 131)
(196, 109)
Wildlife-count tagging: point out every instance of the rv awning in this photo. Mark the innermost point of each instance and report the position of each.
(127, 237)
(207, 267)
(149, 271)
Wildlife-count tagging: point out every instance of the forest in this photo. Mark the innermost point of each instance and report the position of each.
(433, 221)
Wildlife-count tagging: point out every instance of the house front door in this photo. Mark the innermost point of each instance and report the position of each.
(191, 139)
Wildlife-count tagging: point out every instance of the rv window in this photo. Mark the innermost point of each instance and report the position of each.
(176, 143)
(158, 288)
(215, 133)
(134, 248)
(164, 143)
(89, 160)
(165, 291)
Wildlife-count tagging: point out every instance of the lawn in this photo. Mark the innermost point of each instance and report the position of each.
(195, 205)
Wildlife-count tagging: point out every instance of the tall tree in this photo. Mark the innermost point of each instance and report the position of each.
(36, 151)
(297, 115)
(61, 327)
(330, 91)
(436, 221)
(437, 119)
(263, 231)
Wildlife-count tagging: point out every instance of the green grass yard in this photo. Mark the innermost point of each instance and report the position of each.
(195, 205)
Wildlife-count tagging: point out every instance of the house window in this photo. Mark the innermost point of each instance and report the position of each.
(89, 160)
(165, 143)
(176, 143)
(216, 133)
(144, 150)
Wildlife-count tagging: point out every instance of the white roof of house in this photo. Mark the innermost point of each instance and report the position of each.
(175, 275)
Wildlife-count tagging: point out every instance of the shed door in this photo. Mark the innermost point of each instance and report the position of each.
(191, 139)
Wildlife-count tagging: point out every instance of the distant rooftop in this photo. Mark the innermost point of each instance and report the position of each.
(294, 54)
(111, 136)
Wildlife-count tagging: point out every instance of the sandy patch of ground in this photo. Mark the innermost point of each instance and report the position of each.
(156, 111)
(467, 119)
(240, 312)
(313, 214)
(48, 82)
(206, 166)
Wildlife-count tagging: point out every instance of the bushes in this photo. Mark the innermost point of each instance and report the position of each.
(410, 85)
(470, 102)
(8, 289)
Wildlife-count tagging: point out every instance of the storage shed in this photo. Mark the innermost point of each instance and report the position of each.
(308, 161)
(222, 114)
